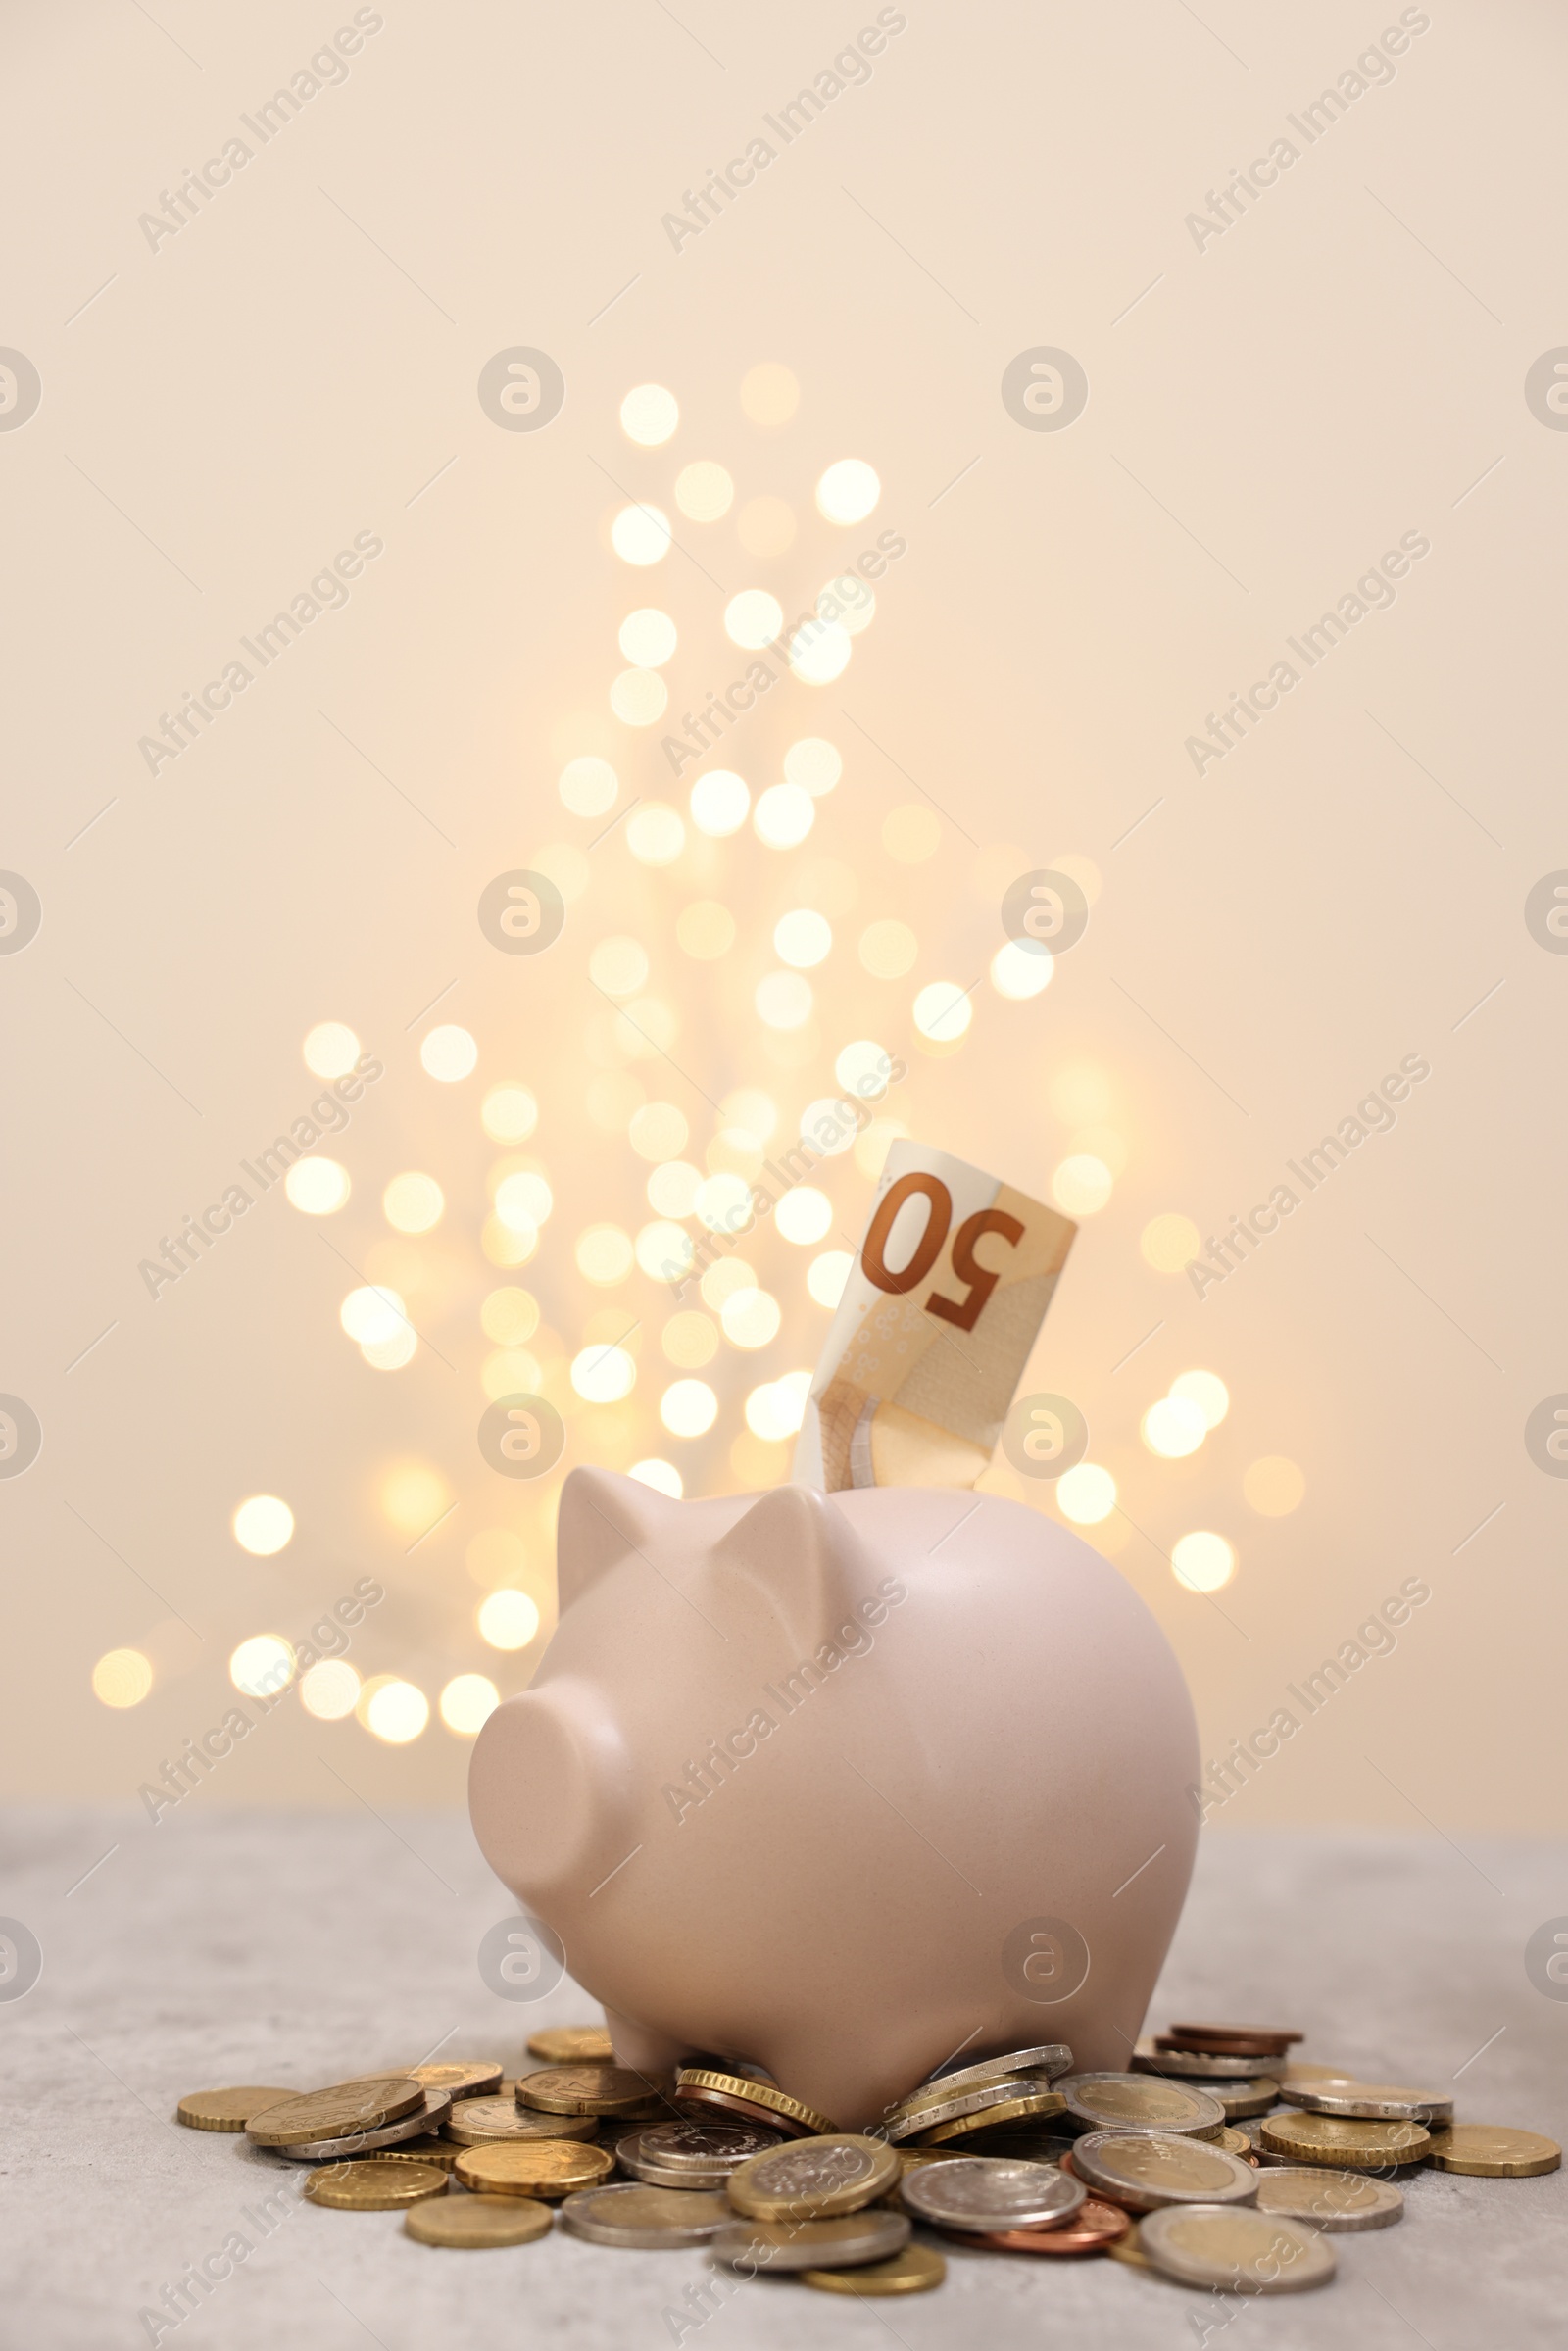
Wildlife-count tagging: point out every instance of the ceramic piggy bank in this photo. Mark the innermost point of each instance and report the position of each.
(845, 1783)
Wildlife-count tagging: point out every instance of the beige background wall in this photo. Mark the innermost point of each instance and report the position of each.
(1266, 415)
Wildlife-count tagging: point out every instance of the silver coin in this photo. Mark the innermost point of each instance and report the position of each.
(1370, 2101)
(982, 2193)
(750, 2246)
(713, 2149)
(429, 2115)
(1240, 2250)
(1191, 2065)
(1052, 2057)
(1332, 2200)
(1138, 2103)
(933, 2106)
(1145, 2170)
(646, 2218)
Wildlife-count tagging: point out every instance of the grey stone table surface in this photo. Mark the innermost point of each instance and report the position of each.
(295, 1950)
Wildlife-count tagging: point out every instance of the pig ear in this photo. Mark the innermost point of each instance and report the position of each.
(803, 1553)
(604, 1518)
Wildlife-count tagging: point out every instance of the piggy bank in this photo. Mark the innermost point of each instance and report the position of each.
(844, 1785)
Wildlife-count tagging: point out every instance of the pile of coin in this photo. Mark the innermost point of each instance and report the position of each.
(1218, 2160)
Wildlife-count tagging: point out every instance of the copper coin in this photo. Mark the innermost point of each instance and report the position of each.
(721, 2101)
(1093, 2228)
(1257, 2040)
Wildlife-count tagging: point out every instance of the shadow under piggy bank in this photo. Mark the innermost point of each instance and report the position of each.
(845, 1785)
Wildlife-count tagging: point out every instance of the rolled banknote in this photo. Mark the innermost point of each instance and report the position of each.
(938, 1317)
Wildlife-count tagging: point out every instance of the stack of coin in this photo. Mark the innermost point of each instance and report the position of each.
(1218, 2161)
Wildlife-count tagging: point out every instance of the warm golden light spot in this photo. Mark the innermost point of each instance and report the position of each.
(1080, 1093)
(803, 938)
(688, 1408)
(412, 1202)
(724, 1279)
(263, 1524)
(911, 833)
(723, 1203)
(467, 1702)
(1019, 971)
(1086, 1493)
(664, 1252)
(1169, 1242)
(706, 930)
(672, 1187)
(588, 786)
(317, 1187)
(803, 1215)
(734, 1151)
(122, 1678)
(770, 393)
(751, 1318)
(620, 966)
(663, 1476)
(509, 1316)
(1208, 1391)
(943, 1011)
(689, 1340)
(815, 763)
(509, 1371)
(330, 1049)
(508, 1244)
(395, 1713)
(646, 1028)
(1202, 1562)
(752, 618)
(605, 1254)
(658, 1131)
(785, 814)
(703, 491)
(783, 1000)
(330, 1690)
(639, 697)
(1173, 1427)
(508, 1619)
(749, 1108)
(863, 1069)
(391, 1354)
(1102, 1143)
(888, 950)
(766, 526)
(641, 535)
(775, 1411)
(412, 1497)
(262, 1666)
(523, 1198)
(655, 833)
(847, 491)
(819, 654)
(508, 1113)
(720, 802)
(649, 415)
(449, 1055)
(1081, 1185)
(1273, 1486)
(647, 637)
(826, 1276)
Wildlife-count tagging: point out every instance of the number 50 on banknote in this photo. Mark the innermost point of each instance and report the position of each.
(939, 1315)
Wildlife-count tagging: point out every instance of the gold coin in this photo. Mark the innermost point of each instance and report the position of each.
(1493, 2151)
(374, 2186)
(757, 2093)
(1353, 2146)
(225, 2109)
(1128, 2249)
(496, 2121)
(440, 2151)
(335, 2112)
(547, 2167)
(914, 2271)
(475, 2221)
(478, 2080)
(589, 2090)
(965, 2126)
(572, 2044)
(813, 2178)
(1235, 2142)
